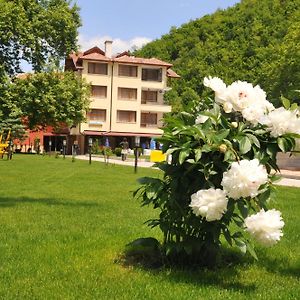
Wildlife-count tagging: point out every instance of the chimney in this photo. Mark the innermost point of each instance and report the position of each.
(108, 49)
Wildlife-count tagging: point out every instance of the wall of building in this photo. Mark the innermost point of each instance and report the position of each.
(112, 104)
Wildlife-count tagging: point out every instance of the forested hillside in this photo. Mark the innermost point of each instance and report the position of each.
(256, 40)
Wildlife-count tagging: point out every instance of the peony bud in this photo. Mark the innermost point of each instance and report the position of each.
(234, 124)
(227, 107)
(223, 148)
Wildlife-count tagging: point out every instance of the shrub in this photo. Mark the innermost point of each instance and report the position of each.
(221, 172)
(118, 151)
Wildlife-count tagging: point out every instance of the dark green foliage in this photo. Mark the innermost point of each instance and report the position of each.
(52, 98)
(256, 41)
(118, 151)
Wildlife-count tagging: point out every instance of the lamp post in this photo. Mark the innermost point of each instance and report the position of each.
(136, 154)
(64, 148)
(90, 150)
(50, 144)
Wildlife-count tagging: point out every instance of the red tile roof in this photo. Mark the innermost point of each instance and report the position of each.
(143, 61)
(97, 54)
(171, 73)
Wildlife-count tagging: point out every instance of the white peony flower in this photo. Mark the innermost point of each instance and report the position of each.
(265, 226)
(215, 83)
(256, 111)
(201, 119)
(210, 204)
(281, 121)
(244, 178)
(242, 97)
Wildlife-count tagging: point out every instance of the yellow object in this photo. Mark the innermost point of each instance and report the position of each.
(4, 144)
(157, 156)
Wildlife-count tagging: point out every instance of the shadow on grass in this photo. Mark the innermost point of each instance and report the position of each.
(224, 276)
(10, 201)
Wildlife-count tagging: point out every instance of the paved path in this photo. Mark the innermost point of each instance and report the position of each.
(290, 178)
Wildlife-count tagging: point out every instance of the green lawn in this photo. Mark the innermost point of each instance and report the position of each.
(63, 225)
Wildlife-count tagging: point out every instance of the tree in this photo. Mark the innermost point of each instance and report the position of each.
(40, 32)
(255, 41)
(36, 31)
(52, 98)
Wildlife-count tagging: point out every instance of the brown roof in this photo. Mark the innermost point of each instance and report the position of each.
(95, 53)
(96, 56)
(171, 73)
(94, 50)
(143, 61)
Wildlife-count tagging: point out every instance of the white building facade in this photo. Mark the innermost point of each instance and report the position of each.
(126, 96)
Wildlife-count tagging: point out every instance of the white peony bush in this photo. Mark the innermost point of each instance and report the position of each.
(210, 204)
(265, 226)
(225, 149)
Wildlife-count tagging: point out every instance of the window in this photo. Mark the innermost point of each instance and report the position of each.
(99, 91)
(127, 70)
(148, 119)
(152, 74)
(126, 116)
(96, 116)
(97, 68)
(127, 94)
(149, 96)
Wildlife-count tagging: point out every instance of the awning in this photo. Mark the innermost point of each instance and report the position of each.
(54, 134)
(123, 134)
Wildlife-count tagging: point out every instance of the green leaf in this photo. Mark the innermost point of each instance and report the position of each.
(222, 134)
(198, 154)
(243, 208)
(229, 155)
(143, 246)
(242, 245)
(171, 150)
(183, 155)
(206, 148)
(294, 106)
(286, 102)
(282, 144)
(227, 235)
(244, 145)
(239, 223)
(263, 197)
(251, 250)
(151, 192)
(272, 150)
(254, 139)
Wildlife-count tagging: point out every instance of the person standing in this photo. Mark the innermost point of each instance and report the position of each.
(125, 146)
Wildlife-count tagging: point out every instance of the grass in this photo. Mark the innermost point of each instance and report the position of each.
(63, 225)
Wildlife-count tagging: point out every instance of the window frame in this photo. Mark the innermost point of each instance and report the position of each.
(98, 86)
(129, 74)
(126, 111)
(92, 65)
(128, 90)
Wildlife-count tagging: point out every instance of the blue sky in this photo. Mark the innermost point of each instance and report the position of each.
(136, 22)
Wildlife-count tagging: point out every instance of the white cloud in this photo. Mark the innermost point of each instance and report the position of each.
(118, 45)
